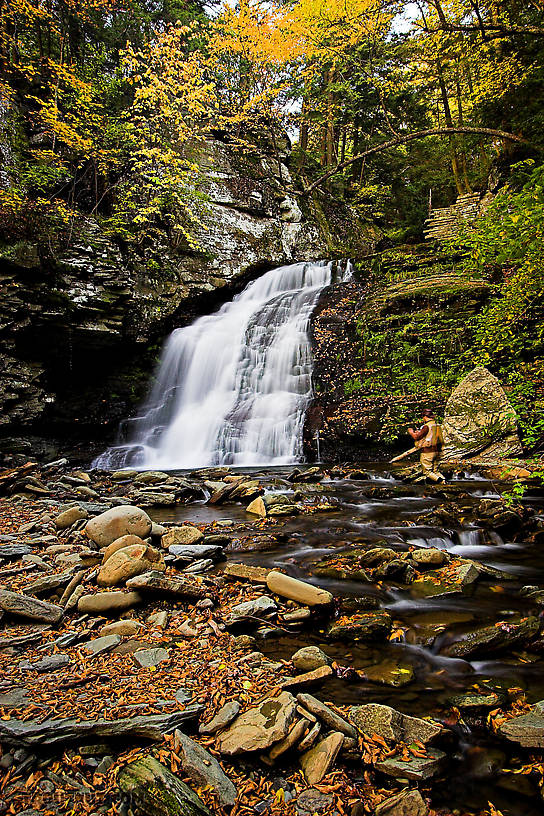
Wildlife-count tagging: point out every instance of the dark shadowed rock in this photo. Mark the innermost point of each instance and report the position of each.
(152, 790)
(204, 769)
(22, 606)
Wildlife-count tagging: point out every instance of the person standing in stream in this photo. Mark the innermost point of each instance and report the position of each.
(428, 439)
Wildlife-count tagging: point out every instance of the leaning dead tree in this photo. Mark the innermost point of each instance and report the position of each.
(410, 137)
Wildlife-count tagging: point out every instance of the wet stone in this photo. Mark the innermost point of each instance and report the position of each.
(312, 801)
(366, 626)
(416, 768)
(405, 803)
(386, 722)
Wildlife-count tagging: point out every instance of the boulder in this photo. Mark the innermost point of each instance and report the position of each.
(106, 602)
(182, 535)
(309, 658)
(318, 761)
(129, 562)
(405, 803)
(151, 477)
(155, 582)
(150, 788)
(429, 556)
(386, 722)
(204, 769)
(295, 590)
(120, 544)
(479, 419)
(69, 517)
(22, 606)
(116, 522)
(260, 727)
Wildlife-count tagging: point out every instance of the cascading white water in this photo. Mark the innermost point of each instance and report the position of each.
(233, 387)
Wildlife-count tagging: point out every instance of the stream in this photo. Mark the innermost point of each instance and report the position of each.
(409, 672)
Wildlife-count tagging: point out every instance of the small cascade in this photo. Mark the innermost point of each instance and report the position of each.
(233, 388)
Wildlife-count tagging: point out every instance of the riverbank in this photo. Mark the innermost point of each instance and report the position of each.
(407, 655)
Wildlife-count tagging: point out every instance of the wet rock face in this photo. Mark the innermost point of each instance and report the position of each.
(84, 324)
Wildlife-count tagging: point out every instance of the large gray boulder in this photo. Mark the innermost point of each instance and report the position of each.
(479, 420)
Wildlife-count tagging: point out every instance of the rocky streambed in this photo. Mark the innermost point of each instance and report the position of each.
(281, 641)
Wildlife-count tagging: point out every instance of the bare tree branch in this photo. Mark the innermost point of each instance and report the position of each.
(410, 137)
(496, 30)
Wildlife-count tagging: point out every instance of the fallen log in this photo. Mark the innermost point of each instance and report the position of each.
(403, 455)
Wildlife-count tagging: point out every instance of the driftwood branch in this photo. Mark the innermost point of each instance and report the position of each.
(410, 137)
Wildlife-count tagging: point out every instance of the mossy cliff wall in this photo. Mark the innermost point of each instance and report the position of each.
(81, 328)
(388, 343)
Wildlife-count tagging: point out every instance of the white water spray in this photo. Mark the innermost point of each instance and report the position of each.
(232, 388)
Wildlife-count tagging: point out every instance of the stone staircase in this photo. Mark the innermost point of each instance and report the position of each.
(444, 223)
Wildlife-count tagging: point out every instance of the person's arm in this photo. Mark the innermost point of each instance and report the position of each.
(417, 436)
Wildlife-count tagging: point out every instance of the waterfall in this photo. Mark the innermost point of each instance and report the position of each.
(233, 387)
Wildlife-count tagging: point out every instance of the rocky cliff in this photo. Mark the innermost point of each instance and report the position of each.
(81, 329)
(387, 344)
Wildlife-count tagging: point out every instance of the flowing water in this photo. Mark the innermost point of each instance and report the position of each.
(233, 387)
(380, 511)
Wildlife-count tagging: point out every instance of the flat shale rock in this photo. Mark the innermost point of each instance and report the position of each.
(204, 769)
(224, 717)
(10, 552)
(319, 760)
(495, 638)
(55, 732)
(365, 626)
(405, 803)
(100, 645)
(144, 658)
(190, 552)
(527, 730)
(386, 722)
(449, 580)
(47, 664)
(246, 572)
(260, 727)
(108, 602)
(256, 608)
(116, 522)
(152, 790)
(185, 535)
(415, 768)
(327, 716)
(22, 606)
(156, 582)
